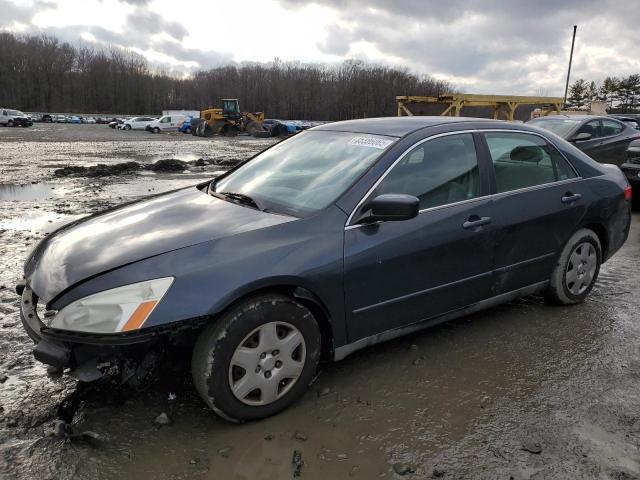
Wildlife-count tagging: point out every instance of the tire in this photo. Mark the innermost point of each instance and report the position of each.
(570, 283)
(127, 127)
(187, 131)
(216, 354)
(10, 123)
(156, 130)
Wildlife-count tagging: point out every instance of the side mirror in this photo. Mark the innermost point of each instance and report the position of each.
(391, 207)
(581, 137)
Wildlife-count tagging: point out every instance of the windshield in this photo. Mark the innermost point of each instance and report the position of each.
(560, 126)
(305, 173)
(15, 113)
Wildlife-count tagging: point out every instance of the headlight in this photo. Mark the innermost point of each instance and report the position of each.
(121, 309)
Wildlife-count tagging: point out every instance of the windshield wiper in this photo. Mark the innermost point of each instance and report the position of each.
(241, 197)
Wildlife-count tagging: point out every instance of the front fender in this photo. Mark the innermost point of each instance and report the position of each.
(212, 275)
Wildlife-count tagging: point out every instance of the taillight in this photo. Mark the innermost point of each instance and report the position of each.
(628, 193)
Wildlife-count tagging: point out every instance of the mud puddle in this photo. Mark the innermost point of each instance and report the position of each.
(36, 191)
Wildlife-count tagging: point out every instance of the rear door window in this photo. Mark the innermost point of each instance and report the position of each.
(593, 127)
(522, 160)
(438, 172)
(611, 127)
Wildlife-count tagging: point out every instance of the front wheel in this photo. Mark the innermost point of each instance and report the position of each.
(156, 130)
(127, 127)
(577, 269)
(256, 359)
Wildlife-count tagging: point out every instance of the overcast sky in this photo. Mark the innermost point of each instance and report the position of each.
(481, 46)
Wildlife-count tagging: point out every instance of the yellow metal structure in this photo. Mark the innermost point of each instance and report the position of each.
(228, 120)
(505, 105)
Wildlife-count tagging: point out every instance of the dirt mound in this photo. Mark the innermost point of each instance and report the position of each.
(170, 165)
(100, 170)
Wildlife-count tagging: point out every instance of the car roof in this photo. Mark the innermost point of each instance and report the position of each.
(575, 117)
(396, 126)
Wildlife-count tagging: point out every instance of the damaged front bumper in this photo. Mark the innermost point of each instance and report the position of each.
(88, 356)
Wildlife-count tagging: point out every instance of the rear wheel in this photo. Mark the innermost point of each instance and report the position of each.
(257, 359)
(10, 123)
(577, 269)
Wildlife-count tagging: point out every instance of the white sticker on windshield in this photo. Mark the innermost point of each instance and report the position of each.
(372, 142)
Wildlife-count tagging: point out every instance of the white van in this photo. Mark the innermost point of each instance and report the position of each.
(167, 123)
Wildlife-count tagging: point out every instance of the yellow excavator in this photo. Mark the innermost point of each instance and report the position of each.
(228, 121)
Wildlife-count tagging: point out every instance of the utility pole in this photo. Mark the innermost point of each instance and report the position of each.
(566, 87)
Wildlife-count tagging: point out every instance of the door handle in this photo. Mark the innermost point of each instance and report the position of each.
(475, 221)
(571, 197)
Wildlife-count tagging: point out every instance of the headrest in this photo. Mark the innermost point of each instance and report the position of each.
(527, 153)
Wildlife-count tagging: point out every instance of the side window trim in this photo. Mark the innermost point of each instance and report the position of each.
(481, 166)
(619, 124)
(484, 163)
(487, 153)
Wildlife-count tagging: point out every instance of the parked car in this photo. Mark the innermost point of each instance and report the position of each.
(604, 139)
(278, 128)
(136, 123)
(337, 238)
(166, 123)
(91, 120)
(185, 126)
(46, 117)
(14, 118)
(631, 169)
(75, 119)
(631, 120)
(61, 119)
(116, 122)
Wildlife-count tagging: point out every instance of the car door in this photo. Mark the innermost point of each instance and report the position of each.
(165, 123)
(614, 141)
(537, 206)
(399, 273)
(593, 145)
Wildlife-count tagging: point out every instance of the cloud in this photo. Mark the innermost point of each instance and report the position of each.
(142, 23)
(21, 12)
(489, 45)
(143, 31)
(484, 46)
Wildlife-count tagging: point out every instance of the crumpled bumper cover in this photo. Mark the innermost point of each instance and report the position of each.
(81, 351)
(64, 349)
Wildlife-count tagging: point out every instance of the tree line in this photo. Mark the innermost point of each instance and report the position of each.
(621, 94)
(42, 74)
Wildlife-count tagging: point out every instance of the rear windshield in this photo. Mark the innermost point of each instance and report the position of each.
(559, 126)
(306, 173)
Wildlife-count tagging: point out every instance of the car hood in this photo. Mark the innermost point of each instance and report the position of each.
(133, 232)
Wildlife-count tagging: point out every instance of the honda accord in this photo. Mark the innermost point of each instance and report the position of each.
(343, 236)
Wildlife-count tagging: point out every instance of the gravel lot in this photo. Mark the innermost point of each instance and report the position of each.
(522, 391)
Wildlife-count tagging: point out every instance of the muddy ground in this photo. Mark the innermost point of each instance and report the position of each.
(521, 391)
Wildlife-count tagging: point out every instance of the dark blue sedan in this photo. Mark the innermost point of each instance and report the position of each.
(340, 237)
